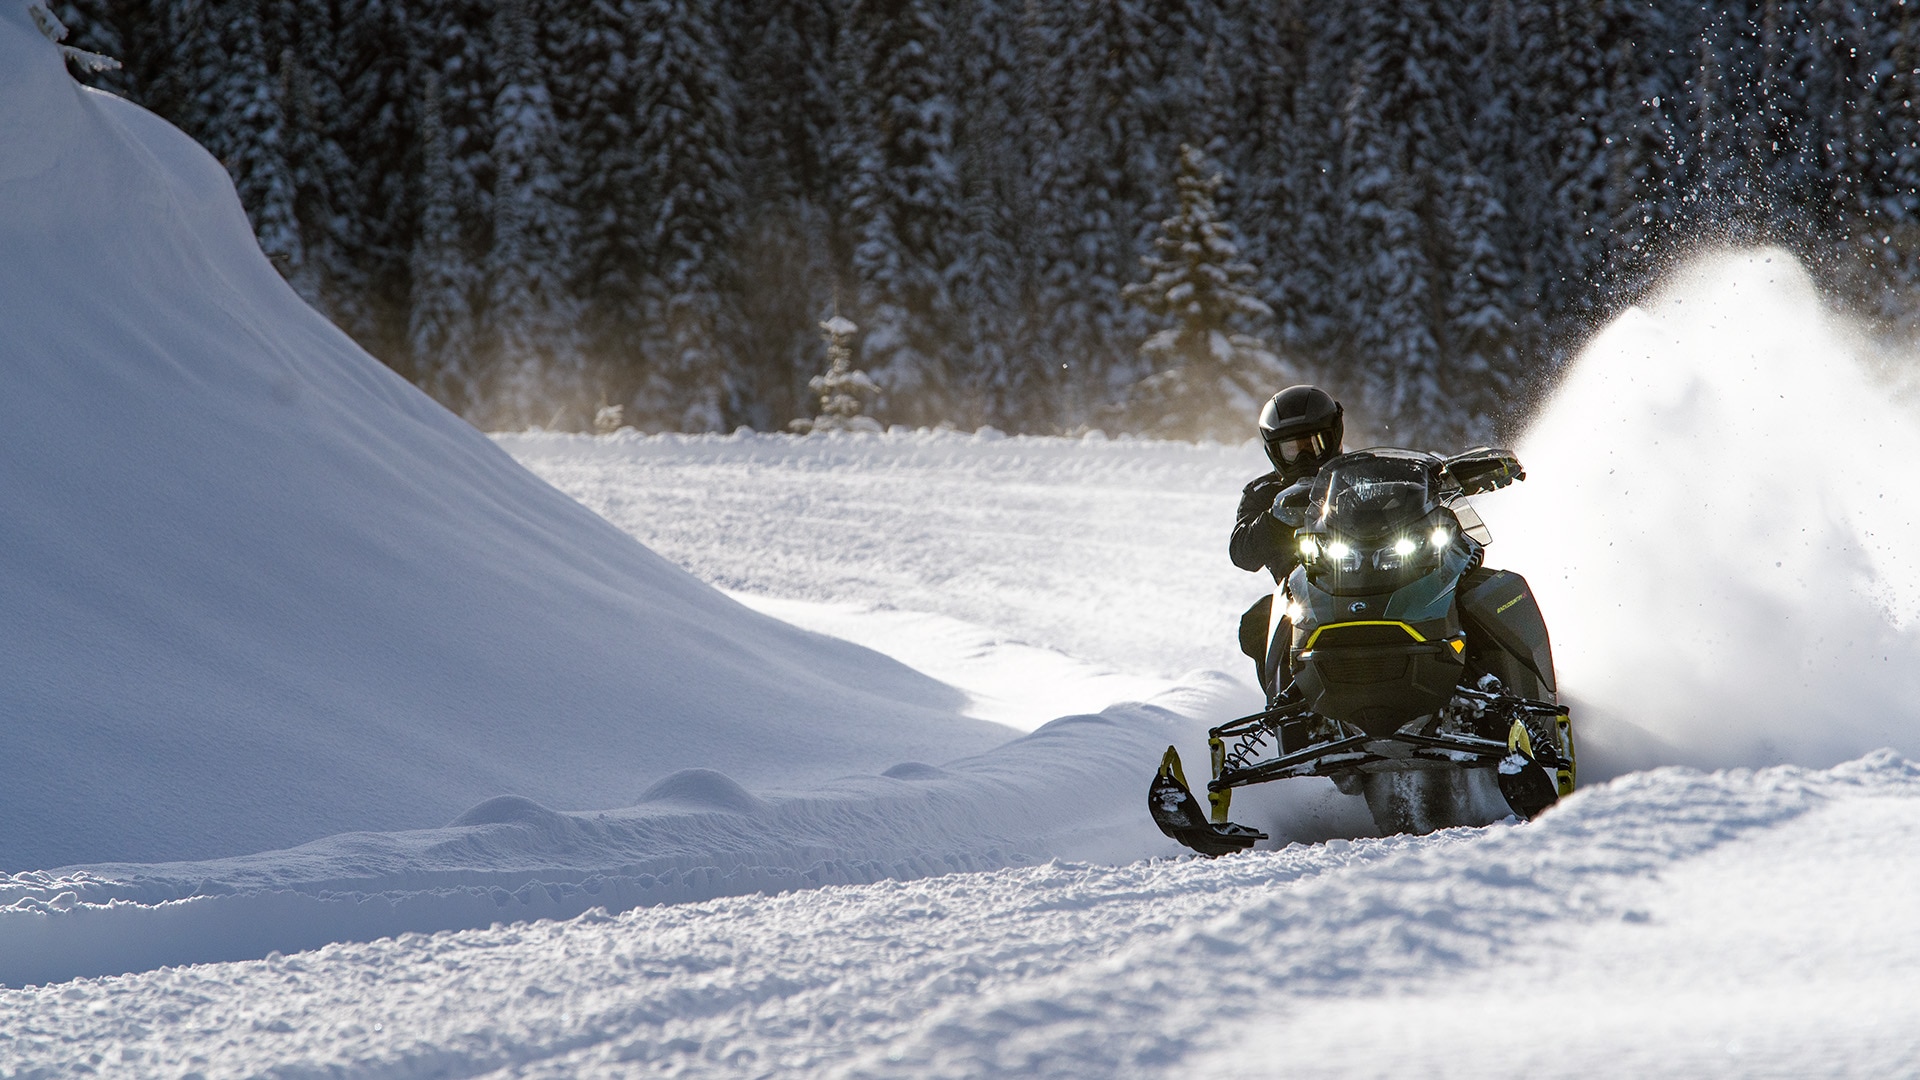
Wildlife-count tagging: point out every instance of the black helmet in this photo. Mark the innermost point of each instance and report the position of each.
(1302, 428)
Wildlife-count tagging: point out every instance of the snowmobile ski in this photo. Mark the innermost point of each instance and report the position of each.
(1530, 778)
(1178, 814)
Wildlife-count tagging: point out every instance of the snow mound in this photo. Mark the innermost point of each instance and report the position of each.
(703, 789)
(508, 810)
(1072, 790)
(258, 589)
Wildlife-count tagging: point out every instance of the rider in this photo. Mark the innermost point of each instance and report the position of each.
(1302, 427)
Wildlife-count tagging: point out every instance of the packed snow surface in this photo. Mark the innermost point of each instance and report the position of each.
(1669, 924)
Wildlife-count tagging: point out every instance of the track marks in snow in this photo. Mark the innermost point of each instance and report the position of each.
(1507, 903)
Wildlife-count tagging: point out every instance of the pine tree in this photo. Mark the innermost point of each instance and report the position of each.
(239, 116)
(599, 116)
(1005, 383)
(1207, 381)
(843, 390)
(1091, 196)
(442, 334)
(370, 83)
(1481, 316)
(1392, 150)
(787, 267)
(685, 126)
(905, 204)
(535, 373)
(310, 71)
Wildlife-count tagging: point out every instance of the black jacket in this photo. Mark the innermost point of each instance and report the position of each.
(1259, 539)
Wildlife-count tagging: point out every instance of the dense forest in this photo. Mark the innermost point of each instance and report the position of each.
(535, 208)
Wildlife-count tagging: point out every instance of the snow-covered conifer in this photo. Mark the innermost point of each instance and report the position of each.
(843, 390)
(786, 265)
(1004, 382)
(1208, 379)
(531, 322)
(441, 331)
(905, 205)
(684, 129)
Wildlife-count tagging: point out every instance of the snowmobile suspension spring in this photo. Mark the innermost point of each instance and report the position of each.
(1246, 749)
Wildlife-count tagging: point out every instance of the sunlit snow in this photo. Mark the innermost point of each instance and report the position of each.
(776, 757)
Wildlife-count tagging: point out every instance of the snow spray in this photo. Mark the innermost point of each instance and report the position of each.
(1722, 525)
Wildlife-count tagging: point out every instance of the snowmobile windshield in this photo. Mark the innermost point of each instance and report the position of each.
(1375, 522)
(1370, 496)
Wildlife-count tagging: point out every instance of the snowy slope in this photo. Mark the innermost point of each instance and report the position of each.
(1673, 924)
(1075, 789)
(259, 590)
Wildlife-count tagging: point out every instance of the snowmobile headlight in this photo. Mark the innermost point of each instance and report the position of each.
(1343, 556)
(1405, 546)
(1308, 549)
(1441, 538)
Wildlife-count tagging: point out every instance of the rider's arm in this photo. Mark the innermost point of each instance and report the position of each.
(1259, 539)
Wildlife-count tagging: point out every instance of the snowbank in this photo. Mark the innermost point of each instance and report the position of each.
(257, 589)
(1670, 924)
(1073, 789)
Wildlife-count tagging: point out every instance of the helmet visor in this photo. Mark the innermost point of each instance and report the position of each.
(1292, 451)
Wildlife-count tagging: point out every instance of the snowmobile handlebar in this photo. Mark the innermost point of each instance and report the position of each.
(1481, 469)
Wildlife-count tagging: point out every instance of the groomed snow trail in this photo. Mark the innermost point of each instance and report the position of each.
(1734, 900)
(1109, 551)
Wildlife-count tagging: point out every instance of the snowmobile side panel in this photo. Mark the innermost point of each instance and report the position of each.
(1499, 605)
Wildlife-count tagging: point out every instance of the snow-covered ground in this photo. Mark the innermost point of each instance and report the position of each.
(1670, 924)
(770, 756)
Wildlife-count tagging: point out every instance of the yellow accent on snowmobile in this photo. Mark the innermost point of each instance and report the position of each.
(1459, 645)
(1566, 777)
(1170, 764)
(1318, 630)
(1219, 800)
(1518, 739)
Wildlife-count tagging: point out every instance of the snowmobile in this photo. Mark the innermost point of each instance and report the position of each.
(1401, 668)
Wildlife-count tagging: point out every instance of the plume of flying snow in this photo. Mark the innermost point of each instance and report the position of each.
(1720, 526)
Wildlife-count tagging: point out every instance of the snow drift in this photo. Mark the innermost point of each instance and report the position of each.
(257, 589)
